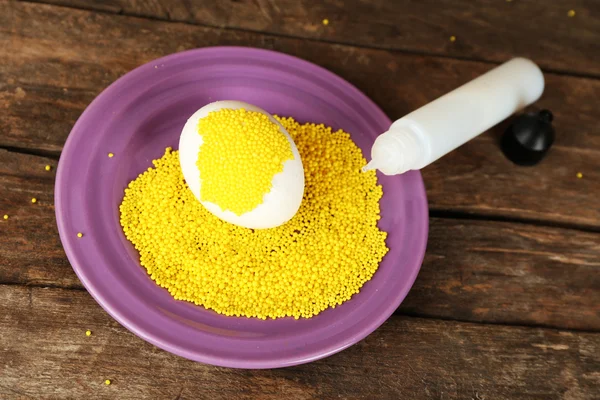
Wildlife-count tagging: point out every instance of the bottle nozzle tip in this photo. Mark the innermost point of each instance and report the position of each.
(370, 166)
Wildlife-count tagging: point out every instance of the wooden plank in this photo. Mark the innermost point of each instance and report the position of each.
(31, 252)
(489, 30)
(45, 353)
(508, 273)
(46, 83)
(473, 271)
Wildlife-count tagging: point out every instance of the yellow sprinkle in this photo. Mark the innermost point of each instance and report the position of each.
(579, 175)
(5, 216)
(453, 38)
(325, 22)
(241, 153)
(107, 382)
(110, 155)
(317, 260)
(79, 235)
(48, 168)
(571, 13)
(34, 200)
(88, 333)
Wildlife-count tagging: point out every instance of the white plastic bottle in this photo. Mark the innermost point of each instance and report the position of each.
(423, 136)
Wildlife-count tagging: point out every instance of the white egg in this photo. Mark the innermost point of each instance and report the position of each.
(279, 205)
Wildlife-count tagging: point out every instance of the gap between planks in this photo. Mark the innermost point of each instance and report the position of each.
(466, 216)
(53, 155)
(397, 313)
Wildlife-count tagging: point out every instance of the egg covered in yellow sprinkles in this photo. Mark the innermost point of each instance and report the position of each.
(319, 259)
(241, 152)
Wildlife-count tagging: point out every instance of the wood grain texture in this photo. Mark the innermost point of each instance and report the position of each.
(483, 271)
(46, 355)
(30, 250)
(508, 273)
(55, 60)
(46, 83)
(490, 30)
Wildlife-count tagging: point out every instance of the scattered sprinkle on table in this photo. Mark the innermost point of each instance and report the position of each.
(34, 200)
(319, 259)
(88, 333)
(325, 22)
(110, 155)
(107, 382)
(48, 167)
(5, 216)
(579, 175)
(79, 235)
(571, 13)
(453, 38)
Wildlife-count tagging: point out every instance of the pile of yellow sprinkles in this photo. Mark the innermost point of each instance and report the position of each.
(319, 259)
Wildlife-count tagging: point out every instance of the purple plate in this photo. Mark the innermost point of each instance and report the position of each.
(142, 113)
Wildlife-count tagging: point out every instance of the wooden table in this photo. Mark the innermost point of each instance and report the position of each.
(507, 304)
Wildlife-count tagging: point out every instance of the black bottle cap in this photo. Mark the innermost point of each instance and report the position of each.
(528, 138)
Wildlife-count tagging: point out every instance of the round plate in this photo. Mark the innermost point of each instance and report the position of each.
(142, 113)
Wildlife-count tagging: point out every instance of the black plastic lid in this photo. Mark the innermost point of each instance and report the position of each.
(528, 138)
